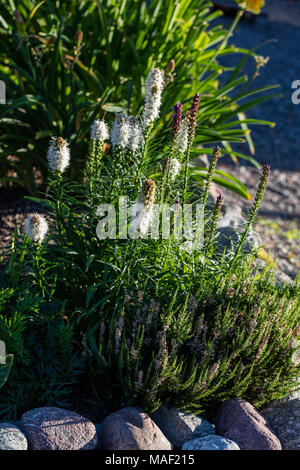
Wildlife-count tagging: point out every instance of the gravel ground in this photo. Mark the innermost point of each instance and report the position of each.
(280, 24)
(278, 224)
(278, 146)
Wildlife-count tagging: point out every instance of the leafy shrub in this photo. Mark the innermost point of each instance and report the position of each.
(45, 363)
(161, 320)
(66, 62)
(233, 338)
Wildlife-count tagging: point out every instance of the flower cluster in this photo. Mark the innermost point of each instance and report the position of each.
(252, 5)
(175, 167)
(36, 227)
(183, 136)
(154, 88)
(126, 133)
(135, 136)
(120, 131)
(58, 154)
(192, 116)
(99, 130)
(142, 210)
(177, 116)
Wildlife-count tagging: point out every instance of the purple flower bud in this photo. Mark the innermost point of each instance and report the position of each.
(177, 116)
(217, 152)
(192, 116)
(220, 200)
(266, 170)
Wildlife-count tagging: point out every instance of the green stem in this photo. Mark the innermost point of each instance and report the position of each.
(144, 152)
(37, 248)
(186, 164)
(216, 214)
(254, 210)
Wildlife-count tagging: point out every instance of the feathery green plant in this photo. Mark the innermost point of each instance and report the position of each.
(42, 364)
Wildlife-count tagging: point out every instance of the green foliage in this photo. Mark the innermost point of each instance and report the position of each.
(66, 62)
(37, 336)
(233, 338)
(159, 322)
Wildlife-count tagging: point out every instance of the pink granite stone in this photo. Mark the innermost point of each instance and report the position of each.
(239, 421)
(132, 429)
(50, 428)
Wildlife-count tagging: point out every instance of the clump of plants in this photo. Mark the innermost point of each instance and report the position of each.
(68, 62)
(42, 364)
(159, 312)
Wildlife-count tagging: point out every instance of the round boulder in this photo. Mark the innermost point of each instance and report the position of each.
(132, 429)
(50, 428)
(212, 442)
(12, 438)
(238, 420)
(180, 427)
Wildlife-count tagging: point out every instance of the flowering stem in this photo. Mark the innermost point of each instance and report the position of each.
(254, 209)
(164, 180)
(56, 182)
(36, 250)
(144, 152)
(216, 213)
(210, 173)
(186, 164)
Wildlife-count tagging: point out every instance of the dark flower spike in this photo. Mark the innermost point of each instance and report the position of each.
(192, 116)
(177, 116)
(255, 206)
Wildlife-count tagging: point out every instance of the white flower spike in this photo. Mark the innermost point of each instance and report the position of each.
(58, 155)
(99, 130)
(142, 209)
(154, 88)
(36, 227)
(175, 167)
(183, 136)
(135, 136)
(120, 131)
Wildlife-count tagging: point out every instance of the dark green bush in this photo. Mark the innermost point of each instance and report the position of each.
(227, 338)
(45, 364)
(66, 62)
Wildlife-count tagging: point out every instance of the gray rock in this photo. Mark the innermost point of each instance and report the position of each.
(50, 428)
(180, 427)
(232, 218)
(231, 226)
(228, 238)
(238, 420)
(12, 437)
(296, 354)
(132, 429)
(284, 417)
(212, 442)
